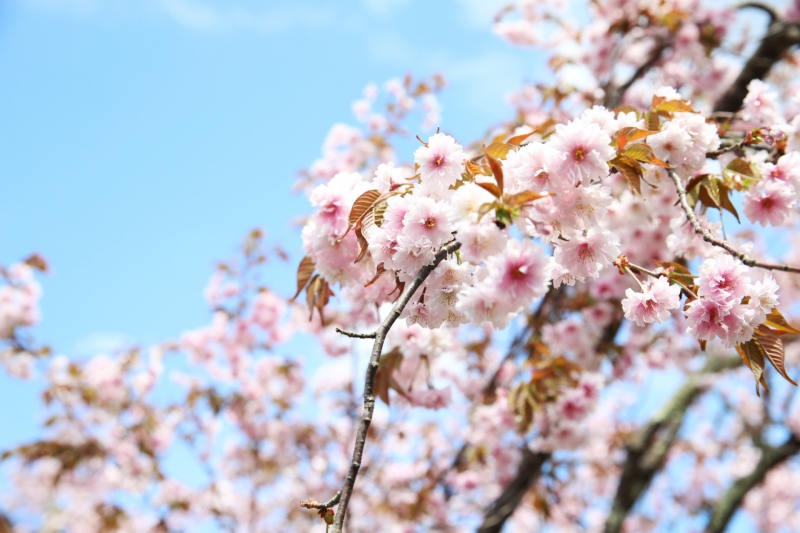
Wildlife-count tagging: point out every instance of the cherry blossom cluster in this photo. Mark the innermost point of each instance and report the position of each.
(19, 309)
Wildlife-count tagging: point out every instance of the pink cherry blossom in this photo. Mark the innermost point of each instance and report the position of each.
(441, 160)
(653, 303)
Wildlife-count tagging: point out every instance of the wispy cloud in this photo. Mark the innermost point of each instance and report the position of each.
(479, 14)
(204, 16)
(102, 342)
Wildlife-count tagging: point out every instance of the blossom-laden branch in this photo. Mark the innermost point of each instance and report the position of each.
(369, 382)
(648, 451)
(730, 501)
(709, 238)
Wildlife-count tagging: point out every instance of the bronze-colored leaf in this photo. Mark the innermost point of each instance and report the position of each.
(498, 150)
(740, 166)
(522, 198)
(653, 121)
(379, 271)
(776, 321)
(643, 153)
(491, 187)
(707, 197)
(363, 245)
(773, 350)
(631, 170)
(497, 171)
(673, 106)
(725, 201)
(304, 272)
(312, 293)
(630, 134)
(517, 140)
(362, 205)
(752, 354)
(378, 213)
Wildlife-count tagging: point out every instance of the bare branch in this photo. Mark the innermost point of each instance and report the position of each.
(780, 37)
(356, 335)
(614, 94)
(503, 507)
(709, 238)
(369, 383)
(647, 452)
(730, 501)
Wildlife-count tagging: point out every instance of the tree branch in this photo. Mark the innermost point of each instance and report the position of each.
(648, 450)
(355, 335)
(780, 37)
(709, 238)
(369, 383)
(614, 94)
(730, 501)
(503, 507)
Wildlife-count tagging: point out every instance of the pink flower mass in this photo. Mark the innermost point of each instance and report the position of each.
(566, 319)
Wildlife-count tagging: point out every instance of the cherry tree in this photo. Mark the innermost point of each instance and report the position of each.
(489, 315)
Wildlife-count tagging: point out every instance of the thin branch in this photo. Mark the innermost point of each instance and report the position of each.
(730, 501)
(369, 382)
(312, 504)
(356, 335)
(709, 238)
(648, 450)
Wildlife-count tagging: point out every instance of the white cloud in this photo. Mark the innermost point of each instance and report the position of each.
(480, 13)
(207, 17)
(102, 342)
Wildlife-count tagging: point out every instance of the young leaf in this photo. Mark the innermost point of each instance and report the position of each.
(725, 200)
(497, 171)
(752, 354)
(740, 166)
(491, 187)
(519, 139)
(631, 170)
(362, 205)
(776, 321)
(643, 153)
(498, 150)
(522, 198)
(630, 134)
(304, 272)
(773, 350)
(363, 245)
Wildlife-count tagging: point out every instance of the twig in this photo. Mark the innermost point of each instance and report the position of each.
(709, 238)
(369, 382)
(356, 335)
(312, 504)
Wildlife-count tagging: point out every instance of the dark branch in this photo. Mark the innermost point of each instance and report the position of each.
(648, 450)
(725, 245)
(780, 37)
(614, 94)
(503, 507)
(730, 501)
(369, 382)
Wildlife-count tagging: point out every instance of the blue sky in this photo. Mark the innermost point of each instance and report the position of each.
(140, 140)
